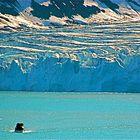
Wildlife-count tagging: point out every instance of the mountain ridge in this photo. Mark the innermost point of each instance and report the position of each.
(38, 13)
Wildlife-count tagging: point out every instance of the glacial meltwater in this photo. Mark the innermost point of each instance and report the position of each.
(70, 115)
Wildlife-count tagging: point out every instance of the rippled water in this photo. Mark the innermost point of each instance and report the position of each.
(112, 42)
(70, 115)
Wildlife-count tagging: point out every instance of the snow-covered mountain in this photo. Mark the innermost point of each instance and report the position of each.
(37, 13)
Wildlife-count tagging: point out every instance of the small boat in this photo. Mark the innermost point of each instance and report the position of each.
(19, 128)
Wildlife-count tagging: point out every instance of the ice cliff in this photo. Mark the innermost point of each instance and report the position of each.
(48, 75)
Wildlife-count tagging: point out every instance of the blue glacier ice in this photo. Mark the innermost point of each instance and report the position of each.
(47, 75)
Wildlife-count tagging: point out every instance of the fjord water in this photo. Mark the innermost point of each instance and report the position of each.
(70, 115)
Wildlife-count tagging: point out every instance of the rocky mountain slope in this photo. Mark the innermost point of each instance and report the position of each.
(37, 13)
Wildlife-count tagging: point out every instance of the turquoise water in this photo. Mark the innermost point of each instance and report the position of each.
(70, 115)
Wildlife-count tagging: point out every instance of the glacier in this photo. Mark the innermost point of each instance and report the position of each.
(47, 75)
(69, 49)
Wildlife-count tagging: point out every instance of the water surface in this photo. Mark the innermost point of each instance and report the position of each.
(70, 115)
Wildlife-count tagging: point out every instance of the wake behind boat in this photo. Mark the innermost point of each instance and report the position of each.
(20, 129)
